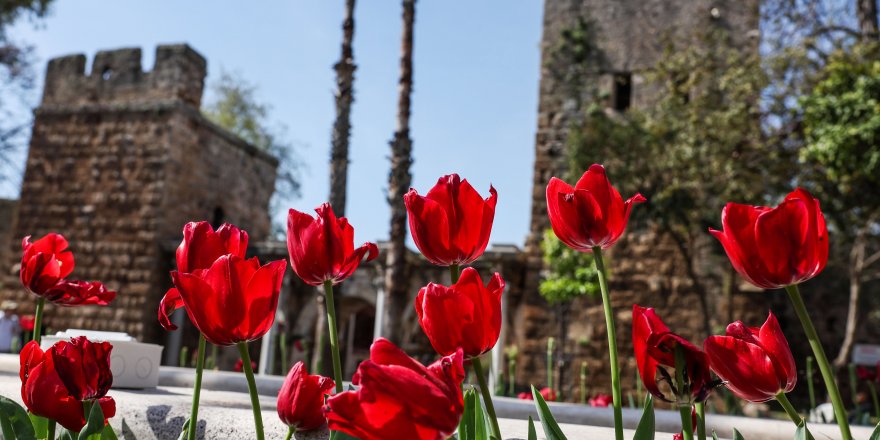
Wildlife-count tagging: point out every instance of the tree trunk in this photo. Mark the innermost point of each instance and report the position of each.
(856, 270)
(396, 288)
(682, 242)
(342, 126)
(867, 14)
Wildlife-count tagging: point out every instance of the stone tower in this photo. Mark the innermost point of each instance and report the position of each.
(119, 160)
(631, 35)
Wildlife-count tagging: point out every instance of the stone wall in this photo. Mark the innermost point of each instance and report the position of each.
(119, 160)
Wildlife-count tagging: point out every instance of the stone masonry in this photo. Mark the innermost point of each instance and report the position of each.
(119, 160)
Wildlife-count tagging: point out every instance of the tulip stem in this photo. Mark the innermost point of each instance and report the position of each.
(487, 397)
(454, 272)
(290, 432)
(873, 390)
(789, 408)
(252, 388)
(687, 428)
(197, 389)
(824, 367)
(701, 420)
(51, 430)
(617, 398)
(38, 319)
(334, 339)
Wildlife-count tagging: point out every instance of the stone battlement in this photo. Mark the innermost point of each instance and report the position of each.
(117, 77)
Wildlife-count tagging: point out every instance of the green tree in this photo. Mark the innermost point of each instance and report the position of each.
(235, 107)
(841, 125)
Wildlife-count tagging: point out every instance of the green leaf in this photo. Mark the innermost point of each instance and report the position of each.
(714, 435)
(481, 432)
(65, 434)
(551, 428)
(184, 431)
(533, 435)
(802, 433)
(876, 434)
(645, 430)
(40, 424)
(108, 434)
(94, 425)
(466, 424)
(14, 421)
(343, 436)
(737, 435)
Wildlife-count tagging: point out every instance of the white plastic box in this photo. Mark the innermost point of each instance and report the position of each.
(133, 364)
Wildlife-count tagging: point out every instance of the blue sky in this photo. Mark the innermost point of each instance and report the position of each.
(476, 69)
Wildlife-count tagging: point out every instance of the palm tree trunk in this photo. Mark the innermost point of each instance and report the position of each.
(867, 14)
(342, 126)
(396, 288)
(856, 270)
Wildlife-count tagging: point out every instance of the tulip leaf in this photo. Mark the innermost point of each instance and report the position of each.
(94, 425)
(645, 430)
(481, 432)
(343, 436)
(14, 421)
(737, 435)
(714, 435)
(802, 433)
(551, 428)
(184, 431)
(876, 434)
(108, 434)
(40, 424)
(533, 435)
(466, 429)
(66, 435)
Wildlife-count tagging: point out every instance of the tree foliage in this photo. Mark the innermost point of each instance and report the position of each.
(569, 273)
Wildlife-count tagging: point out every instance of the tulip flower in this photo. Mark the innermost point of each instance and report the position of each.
(399, 398)
(27, 323)
(56, 383)
(452, 223)
(466, 314)
(779, 248)
(239, 366)
(655, 347)
(590, 215)
(301, 399)
(234, 300)
(322, 248)
(755, 363)
(200, 247)
(600, 400)
(525, 396)
(45, 266)
(775, 247)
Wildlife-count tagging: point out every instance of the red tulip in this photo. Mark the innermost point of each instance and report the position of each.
(27, 323)
(452, 223)
(775, 247)
(200, 248)
(301, 399)
(239, 366)
(465, 315)
(600, 400)
(655, 347)
(590, 214)
(233, 301)
(55, 383)
(863, 373)
(399, 398)
(322, 248)
(755, 363)
(549, 394)
(45, 265)
(525, 396)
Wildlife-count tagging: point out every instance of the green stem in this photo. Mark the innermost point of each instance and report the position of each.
(290, 432)
(51, 435)
(38, 319)
(612, 343)
(252, 387)
(511, 381)
(810, 387)
(824, 367)
(853, 385)
(487, 397)
(334, 340)
(550, 348)
(454, 272)
(687, 428)
(701, 420)
(789, 408)
(197, 389)
(584, 382)
(873, 390)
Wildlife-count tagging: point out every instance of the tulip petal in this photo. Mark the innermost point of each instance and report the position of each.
(773, 341)
(430, 228)
(169, 303)
(262, 293)
(746, 367)
(784, 233)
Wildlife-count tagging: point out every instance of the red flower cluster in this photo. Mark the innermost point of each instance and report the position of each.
(399, 398)
(55, 383)
(45, 266)
(600, 400)
(301, 399)
(548, 394)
